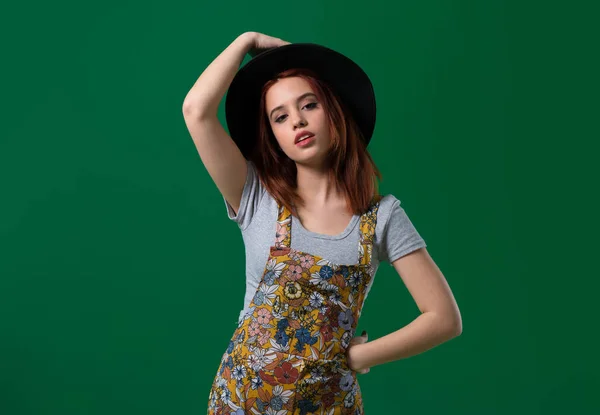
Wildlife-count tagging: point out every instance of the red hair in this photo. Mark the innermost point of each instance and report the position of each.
(351, 167)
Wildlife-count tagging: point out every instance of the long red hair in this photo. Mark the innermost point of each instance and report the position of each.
(351, 167)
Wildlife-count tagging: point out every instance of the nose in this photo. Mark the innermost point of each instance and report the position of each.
(299, 121)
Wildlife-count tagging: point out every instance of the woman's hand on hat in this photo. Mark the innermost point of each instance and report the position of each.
(353, 352)
(260, 42)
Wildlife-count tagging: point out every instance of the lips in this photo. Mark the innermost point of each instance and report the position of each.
(303, 134)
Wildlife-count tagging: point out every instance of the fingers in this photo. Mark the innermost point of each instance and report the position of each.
(363, 338)
(358, 340)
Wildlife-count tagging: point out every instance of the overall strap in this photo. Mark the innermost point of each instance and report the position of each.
(368, 221)
(283, 231)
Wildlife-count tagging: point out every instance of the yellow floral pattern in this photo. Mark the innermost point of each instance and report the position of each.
(288, 353)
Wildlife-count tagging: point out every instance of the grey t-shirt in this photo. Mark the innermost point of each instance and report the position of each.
(395, 235)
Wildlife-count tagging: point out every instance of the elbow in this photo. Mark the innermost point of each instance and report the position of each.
(455, 325)
(194, 109)
(457, 328)
(451, 324)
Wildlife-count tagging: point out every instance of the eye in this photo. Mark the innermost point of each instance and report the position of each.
(310, 104)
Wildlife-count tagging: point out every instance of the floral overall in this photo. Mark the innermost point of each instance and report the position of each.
(288, 353)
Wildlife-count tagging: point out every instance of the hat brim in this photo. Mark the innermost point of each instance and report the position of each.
(344, 76)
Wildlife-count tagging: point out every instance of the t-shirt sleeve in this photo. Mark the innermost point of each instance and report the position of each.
(252, 195)
(400, 237)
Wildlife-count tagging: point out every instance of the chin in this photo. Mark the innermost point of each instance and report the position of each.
(310, 159)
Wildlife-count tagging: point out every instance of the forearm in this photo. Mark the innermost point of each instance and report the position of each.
(423, 333)
(208, 91)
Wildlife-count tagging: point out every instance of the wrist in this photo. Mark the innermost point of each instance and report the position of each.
(247, 39)
(358, 355)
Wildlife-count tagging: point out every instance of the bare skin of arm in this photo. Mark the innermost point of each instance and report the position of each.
(438, 322)
(219, 153)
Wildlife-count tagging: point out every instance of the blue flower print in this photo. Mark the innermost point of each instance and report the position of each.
(281, 337)
(299, 346)
(326, 272)
(277, 403)
(345, 319)
(229, 362)
(303, 335)
(269, 278)
(257, 382)
(259, 298)
(343, 270)
(307, 406)
(282, 324)
(346, 382)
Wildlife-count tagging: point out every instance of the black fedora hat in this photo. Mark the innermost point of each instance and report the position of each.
(344, 76)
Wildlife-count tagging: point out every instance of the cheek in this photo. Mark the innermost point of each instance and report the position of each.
(282, 134)
(323, 123)
(279, 138)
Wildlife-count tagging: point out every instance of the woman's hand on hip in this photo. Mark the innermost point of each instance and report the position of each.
(353, 353)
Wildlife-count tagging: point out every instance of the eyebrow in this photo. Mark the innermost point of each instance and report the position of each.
(301, 97)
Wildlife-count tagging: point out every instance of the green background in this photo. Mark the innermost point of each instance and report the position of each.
(121, 277)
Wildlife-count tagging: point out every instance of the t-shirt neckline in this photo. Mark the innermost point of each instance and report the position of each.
(298, 226)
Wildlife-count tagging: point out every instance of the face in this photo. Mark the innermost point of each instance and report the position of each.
(292, 107)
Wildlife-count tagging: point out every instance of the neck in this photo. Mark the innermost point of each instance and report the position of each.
(316, 188)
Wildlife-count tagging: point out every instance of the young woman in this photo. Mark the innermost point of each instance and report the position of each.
(296, 177)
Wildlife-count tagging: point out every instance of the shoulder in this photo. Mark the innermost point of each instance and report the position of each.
(395, 234)
(388, 200)
(391, 214)
(387, 205)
